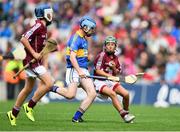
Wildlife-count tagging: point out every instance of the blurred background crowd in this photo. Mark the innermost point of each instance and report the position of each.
(148, 33)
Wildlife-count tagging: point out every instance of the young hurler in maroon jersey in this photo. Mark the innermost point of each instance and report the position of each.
(107, 64)
(34, 41)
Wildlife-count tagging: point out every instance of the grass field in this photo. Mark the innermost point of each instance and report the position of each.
(100, 117)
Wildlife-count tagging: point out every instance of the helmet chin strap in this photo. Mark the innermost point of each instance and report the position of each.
(48, 22)
(110, 53)
(88, 35)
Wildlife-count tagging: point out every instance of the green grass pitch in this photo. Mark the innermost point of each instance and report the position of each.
(100, 117)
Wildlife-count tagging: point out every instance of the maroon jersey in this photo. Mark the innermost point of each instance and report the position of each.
(102, 62)
(36, 36)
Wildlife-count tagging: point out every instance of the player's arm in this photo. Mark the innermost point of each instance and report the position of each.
(115, 68)
(73, 49)
(75, 63)
(118, 68)
(45, 61)
(27, 45)
(99, 64)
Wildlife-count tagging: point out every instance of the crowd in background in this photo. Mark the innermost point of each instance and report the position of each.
(148, 33)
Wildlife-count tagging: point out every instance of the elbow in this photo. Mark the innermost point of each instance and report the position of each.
(72, 58)
(98, 72)
(22, 40)
(95, 71)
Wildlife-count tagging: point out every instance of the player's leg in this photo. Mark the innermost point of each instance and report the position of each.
(44, 87)
(72, 81)
(124, 93)
(88, 86)
(69, 92)
(123, 113)
(110, 93)
(105, 89)
(29, 84)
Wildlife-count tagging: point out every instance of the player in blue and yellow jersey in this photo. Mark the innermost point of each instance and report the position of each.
(77, 67)
(79, 45)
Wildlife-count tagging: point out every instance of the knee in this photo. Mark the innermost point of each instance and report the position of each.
(70, 96)
(112, 94)
(49, 85)
(92, 94)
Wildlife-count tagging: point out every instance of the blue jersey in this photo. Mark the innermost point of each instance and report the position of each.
(78, 44)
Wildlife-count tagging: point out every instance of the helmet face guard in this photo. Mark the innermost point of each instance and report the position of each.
(89, 30)
(48, 14)
(88, 25)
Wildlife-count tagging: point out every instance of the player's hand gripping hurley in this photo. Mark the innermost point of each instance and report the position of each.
(51, 45)
(127, 79)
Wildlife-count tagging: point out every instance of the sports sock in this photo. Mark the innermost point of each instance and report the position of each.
(31, 103)
(15, 111)
(54, 89)
(123, 113)
(77, 115)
